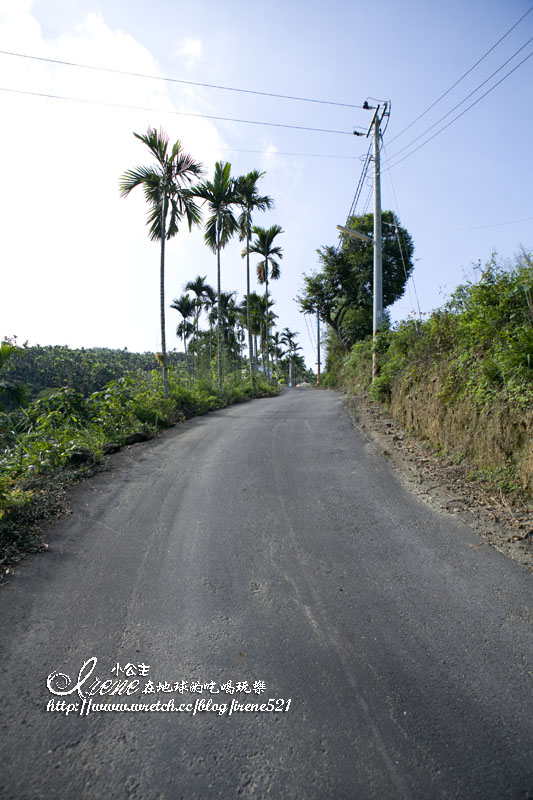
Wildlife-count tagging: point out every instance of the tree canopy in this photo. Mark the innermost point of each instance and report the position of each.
(341, 292)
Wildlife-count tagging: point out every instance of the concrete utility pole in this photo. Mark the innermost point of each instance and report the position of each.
(377, 316)
(317, 348)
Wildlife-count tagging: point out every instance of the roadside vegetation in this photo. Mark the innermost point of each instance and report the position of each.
(63, 433)
(461, 379)
(62, 411)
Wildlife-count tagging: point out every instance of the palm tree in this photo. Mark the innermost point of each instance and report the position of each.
(252, 309)
(258, 312)
(277, 351)
(210, 307)
(226, 311)
(269, 266)
(250, 200)
(203, 291)
(165, 187)
(184, 306)
(219, 194)
(288, 338)
(185, 329)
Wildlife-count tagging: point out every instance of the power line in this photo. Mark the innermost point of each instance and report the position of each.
(368, 199)
(462, 112)
(179, 113)
(462, 76)
(397, 229)
(313, 341)
(494, 224)
(463, 100)
(279, 153)
(360, 184)
(178, 80)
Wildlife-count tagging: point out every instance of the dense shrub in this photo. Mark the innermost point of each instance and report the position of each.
(482, 338)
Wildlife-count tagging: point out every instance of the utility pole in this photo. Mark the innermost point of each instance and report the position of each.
(377, 311)
(317, 348)
(377, 316)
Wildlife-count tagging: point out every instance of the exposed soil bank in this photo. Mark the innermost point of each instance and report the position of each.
(496, 437)
(444, 484)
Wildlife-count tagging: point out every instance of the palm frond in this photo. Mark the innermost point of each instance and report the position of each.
(261, 272)
(169, 178)
(157, 143)
(250, 200)
(183, 305)
(274, 269)
(210, 234)
(139, 176)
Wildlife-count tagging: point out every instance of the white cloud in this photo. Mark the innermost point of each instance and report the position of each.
(78, 267)
(191, 51)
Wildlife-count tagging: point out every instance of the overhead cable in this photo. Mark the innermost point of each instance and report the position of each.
(462, 112)
(399, 237)
(360, 184)
(468, 96)
(281, 153)
(493, 225)
(462, 76)
(178, 80)
(179, 113)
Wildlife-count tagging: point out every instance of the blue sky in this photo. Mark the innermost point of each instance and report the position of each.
(78, 268)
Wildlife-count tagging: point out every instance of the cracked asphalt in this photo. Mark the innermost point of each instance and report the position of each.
(267, 544)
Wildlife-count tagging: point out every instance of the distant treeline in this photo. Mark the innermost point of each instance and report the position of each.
(85, 370)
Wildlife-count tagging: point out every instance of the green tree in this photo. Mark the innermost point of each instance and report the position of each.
(210, 305)
(264, 246)
(165, 185)
(250, 200)
(203, 293)
(254, 310)
(11, 394)
(186, 307)
(220, 194)
(277, 350)
(288, 338)
(342, 291)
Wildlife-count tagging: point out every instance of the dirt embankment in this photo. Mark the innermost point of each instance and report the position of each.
(500, 436)
(445, 484)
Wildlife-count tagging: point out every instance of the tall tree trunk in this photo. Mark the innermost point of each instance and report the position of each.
(263, 332)
(197, 353)
(162, 296)
(186, 357)
(219, 316)
(248, 315)
(266, 318)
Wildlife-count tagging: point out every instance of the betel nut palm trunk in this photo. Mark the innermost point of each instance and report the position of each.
(219, 312)
(162, 295)
(266, 320)
(248, 314)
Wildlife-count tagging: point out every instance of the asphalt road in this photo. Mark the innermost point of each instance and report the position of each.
(267, 543)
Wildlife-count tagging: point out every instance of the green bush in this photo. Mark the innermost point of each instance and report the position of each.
(480, 343)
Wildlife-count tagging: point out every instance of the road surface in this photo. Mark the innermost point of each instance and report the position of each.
(268, 545)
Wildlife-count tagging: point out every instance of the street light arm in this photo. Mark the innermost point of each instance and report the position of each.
(356, 234)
